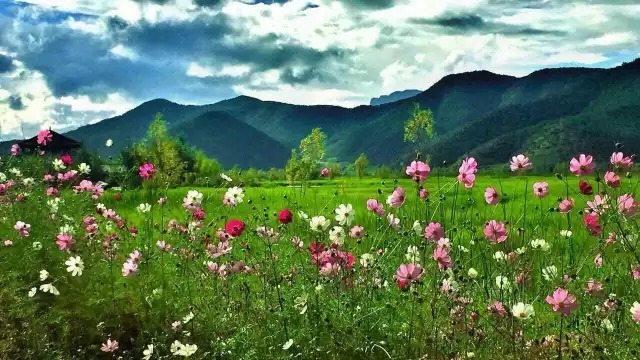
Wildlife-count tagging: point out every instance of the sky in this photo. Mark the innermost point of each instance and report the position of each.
(67, 63)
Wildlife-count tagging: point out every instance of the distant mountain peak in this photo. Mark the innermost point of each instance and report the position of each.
(394, 96)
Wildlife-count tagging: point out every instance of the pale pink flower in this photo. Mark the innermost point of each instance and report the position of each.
(635, 271)
(599, 204)
(612, 179)
(396, 199)
(356, 232)
(423, 193)
(496, 232)
(444, 242)
(635, 312)
(325, 172)
(109, 346)
(65, 241)
(619, 160)
(520, 163)
(566, 205)
(627, 205)
(15, 149)
(441, 255)
(562, 302)
(497, 309)
(52, 192)
(583, 165)
(433, 232)
(375, 207)
(330, 269)
(611, 239)
(594, 288)
(408, 274)
(8, 243)
(394, 222)
(129, 268)
(540, 189)
(491, 196)
(418, 171)
(44, 137)
(598, 261)
(22, 228)
(467, 171)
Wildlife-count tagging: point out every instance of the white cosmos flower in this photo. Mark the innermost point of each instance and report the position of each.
(58, 164)
(500, 256)
(148, 352)
(188, 318)
(502, 282)
(413, 254)
(550, 272)
(225, 177)
(144, 208)
(417, 228)
(235, 195)
(36, 245)
(303, 215)
(366, 259)
(3, 177)
(84, 169)
(28, 181)
(108, 143)
(44, 275)
(49, 288)
(15, 172)
(319, 223)
(473, 273)
(540, 244)
(566, 233)
(336, 235)
(287, 345)
(523, 311)
(75, 265)
(344, 214)
(32, 292)
(180, 349)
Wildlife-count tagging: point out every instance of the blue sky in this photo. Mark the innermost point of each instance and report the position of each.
(65, 63)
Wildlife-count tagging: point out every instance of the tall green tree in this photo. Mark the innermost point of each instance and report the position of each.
(418, 129)
(361, 164)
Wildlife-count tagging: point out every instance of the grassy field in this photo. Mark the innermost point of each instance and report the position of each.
(265, 298)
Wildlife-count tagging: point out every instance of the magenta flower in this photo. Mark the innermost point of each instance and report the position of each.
(620, 161)
(44, 137)
(408, 274)
(520, 163)
(146, 171)
(467, 171)
(433, 232)
(562, 302)
(540, 189)
(583, 165)
(375, 207)
(491, 196)
(418, 171)
(325, 172)
(15, 149)
(592, 224)
(627, 205)
(612, 179)
(496, 232)
(396, 199)
(566, 205)
(441, 255)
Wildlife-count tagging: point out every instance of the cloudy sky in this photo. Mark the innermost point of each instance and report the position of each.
(65, 63)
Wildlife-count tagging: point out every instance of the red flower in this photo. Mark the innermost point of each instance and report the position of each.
(234, 227)
(285, 216)
(117, 196)
(199, 214)
(585, 188)
(66, 159)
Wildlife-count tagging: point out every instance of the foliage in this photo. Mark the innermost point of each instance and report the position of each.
(360, 165)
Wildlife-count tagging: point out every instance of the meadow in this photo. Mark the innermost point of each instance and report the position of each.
(234, 272)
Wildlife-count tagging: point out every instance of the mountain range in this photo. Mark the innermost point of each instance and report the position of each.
(550, 115)
(394, 96)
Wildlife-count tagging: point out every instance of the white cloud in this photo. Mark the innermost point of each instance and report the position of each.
(612, 39)
(124, 52)
(235, 71)
(114, 103)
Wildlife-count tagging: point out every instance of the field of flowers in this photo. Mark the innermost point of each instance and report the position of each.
(426, 267)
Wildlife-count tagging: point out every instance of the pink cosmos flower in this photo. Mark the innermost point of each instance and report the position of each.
(583, 165)
(325, 172)
(356, 232)
(627, 205)
(44, 137)
(433, 232)
(146, 171)
(15, 149)
(418, 171)
(396, 199)
(611, 239)
(330, 269)
(599, 204)
(496, 232)
(467, 171)
(441, 255)
(129, 268)
(635, 312)
(375, 207)
(497, 309)
(491, 196)
(22, 228)
(592, 224)
(619, 160)
(562, 302)
(66, 159)
(52, 192)
(394, 221)
(635, 271)
(540, 189)
(109, 346)
(48, 178)
(594, 288)
(520, 163)
(65, 241)
(408, 274)
(423, 193)
(598, 261)
(612, 179)
(566, 205)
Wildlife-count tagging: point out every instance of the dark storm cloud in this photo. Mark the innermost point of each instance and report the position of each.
(6, 64)
(369, 4)
(469, 23)
(15, 102)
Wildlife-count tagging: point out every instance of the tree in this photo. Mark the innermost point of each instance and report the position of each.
(419, 128)
(292, 168)
(361, 164)
(312, 150)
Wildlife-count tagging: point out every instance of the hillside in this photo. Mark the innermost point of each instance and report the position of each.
(394, 96)
(550, 114)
